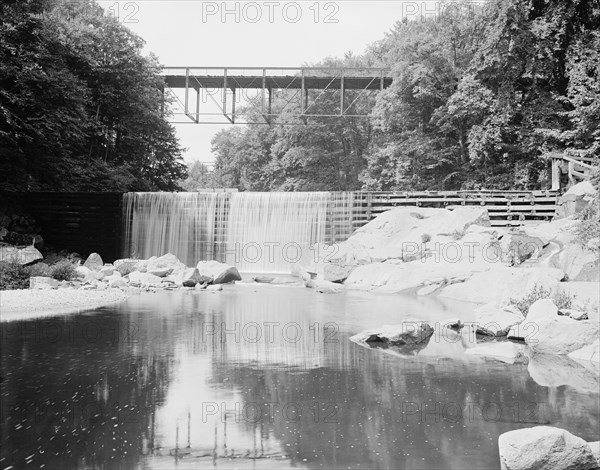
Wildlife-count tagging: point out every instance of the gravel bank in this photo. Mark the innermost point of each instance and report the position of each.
(26, 303)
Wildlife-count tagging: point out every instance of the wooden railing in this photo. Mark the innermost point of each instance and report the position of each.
(576, 168)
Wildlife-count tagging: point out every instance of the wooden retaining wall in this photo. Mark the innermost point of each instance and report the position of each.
(84, 222)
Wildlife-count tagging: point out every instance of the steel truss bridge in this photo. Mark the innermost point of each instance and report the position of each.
(209, 95)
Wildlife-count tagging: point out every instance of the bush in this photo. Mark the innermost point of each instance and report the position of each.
(13, 276)
(63, 271)
(561, 299)
(588, 226)
(38, 269)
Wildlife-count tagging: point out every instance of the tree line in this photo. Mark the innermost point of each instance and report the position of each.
(81, 108)
(480, 97)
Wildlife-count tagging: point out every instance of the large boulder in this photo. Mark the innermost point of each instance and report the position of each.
(337, 272)
(94, 262)
(220, 273)
(544, 448)
(189, 277)
(164, 265)
(497, 321)
(576, 199)
(560, 335)
(129, 265)
(144, 279)
(542, 309)
(500, 284)
(404, 232)
(22, 256)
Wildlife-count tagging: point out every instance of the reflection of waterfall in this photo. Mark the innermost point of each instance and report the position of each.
(257, 232)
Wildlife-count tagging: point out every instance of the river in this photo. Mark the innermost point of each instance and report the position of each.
(261, 377)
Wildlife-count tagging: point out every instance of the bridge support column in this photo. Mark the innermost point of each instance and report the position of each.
(555, 174)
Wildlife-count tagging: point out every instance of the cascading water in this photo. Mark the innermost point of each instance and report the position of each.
(256, 232)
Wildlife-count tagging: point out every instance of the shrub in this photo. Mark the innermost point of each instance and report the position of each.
(561, 299)
(38, 269)
(63, 271)
(13, 276)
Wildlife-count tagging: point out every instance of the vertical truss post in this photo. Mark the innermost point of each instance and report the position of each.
(233, 107)
(264, 82)
(197, 105)
(302, 94)
(187, 89)
(225, 92)
(381, 80)
(270, 101)
(342, 104)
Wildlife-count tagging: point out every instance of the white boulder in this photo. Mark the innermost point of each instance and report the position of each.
(544, 448)
(144, 279)
(542, 309)
(117, 282)
(560, 335)
(497, 321)
(577, 198)
(94, 262)
(129, 265)
(215, 287)
(553, 371)
(164, 265)
(220, 273)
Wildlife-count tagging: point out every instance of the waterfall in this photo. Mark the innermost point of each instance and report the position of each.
(256, 232)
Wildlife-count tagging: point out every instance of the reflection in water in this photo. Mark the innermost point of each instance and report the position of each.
(263, 377)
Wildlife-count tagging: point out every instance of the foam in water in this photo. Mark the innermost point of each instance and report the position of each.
(256, 232)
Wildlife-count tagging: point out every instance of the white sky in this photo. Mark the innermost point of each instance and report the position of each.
(183, 33)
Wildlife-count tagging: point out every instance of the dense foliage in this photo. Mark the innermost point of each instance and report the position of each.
(480, 96)
(80, 106)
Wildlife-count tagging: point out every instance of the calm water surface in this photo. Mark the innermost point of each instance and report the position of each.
(263, 377)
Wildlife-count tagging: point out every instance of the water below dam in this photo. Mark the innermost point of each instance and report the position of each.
(262, 376)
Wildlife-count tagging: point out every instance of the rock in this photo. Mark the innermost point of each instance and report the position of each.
(504, 351)
(94, 262)
(38, 242)
(593, 244)
(144, 279)
(220, 273)
(409, 332)
(129, 265)
(595, 448)
(560, 335)
(554, 371)
(108, 270)
(337, 272)
(41, 282)
(117, 282)
(165, 265)
(590, 353)
(400, 233)
(544, 448)
(576, 199)
(518, 247)
(499, 284)
(82, 271)
(495, 321)
(214, 287)
(22, 256)
(576, 314)
(542, 309)
(263, 279)
(324, 287)
(200, 287)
